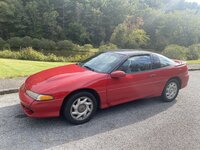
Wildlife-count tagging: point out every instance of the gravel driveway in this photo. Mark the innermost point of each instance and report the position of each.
(144, 124)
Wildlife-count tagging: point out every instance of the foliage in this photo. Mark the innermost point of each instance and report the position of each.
(30, 54)
(15, 42)
(126, 37)
(36, 43)
(87, 47)
(45, 25)
(26, 41)
(47, 44)
(2, 43)
(176, 27)
(66, 45)
(175, 52)
(77, 33)
(193, 52)
(108, 46)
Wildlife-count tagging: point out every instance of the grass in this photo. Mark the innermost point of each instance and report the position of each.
(10, 68)
(193, 61)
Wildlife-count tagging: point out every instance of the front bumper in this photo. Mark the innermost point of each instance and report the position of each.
(39, 109)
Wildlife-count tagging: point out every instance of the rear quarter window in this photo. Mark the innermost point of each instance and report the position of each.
(164, 61)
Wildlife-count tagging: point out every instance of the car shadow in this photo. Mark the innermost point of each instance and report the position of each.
(21, 132)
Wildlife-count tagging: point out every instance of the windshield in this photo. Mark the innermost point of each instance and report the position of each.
(103, 62)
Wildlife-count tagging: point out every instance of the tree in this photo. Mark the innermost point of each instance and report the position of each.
(128, 35)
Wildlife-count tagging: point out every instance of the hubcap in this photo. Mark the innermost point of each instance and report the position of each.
(81, 108)
(171, 90)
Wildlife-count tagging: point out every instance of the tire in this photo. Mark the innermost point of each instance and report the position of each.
(172, 86)
(77, 105)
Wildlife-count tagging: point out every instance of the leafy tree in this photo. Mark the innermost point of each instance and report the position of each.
(129, 36)
(26, 41)
(77, 33)
(15, 42)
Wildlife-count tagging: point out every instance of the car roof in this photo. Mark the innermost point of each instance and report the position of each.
(130, 52)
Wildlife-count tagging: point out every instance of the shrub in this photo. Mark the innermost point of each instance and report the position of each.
(15, 42)
(66, 45)
(30, 54)
(6, 46)
(193, 52)
(46, 44)
(87, 47)
(26, 41)
(108, 46)
(36, 44)
(2, 43)
(175, 52)
(54, 58)
(78, 58)
(9, 54)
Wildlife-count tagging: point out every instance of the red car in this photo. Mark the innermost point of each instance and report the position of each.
(107, 79)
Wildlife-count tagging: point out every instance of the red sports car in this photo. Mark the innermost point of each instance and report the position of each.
(107, 79)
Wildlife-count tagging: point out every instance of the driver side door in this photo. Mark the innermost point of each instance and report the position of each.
(139, 81)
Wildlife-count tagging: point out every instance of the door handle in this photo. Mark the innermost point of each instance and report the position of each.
(152, 75)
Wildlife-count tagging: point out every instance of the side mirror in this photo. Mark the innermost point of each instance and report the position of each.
(118, 74)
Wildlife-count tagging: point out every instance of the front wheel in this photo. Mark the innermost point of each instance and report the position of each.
(80, 108)
(171, 90)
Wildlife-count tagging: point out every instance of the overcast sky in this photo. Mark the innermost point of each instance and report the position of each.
(198, 1)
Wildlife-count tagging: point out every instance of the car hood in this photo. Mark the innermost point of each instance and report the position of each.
(44, 81)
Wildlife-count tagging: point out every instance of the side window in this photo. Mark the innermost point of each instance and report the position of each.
(164, 61)
(136, 64)
(156, 62)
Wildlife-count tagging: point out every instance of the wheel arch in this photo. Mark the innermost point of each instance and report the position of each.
(178, 79)
(92, 91)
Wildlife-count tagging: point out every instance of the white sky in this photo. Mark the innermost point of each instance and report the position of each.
(197, 1)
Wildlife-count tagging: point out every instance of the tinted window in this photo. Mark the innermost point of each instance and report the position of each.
(164, 61)
(136, 64)
(156, 62)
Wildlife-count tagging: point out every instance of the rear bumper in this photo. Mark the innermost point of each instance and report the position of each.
(39, 109)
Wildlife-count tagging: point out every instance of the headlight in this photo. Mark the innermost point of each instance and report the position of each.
(38, 97)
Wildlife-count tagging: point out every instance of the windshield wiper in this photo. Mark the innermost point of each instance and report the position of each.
(89, 68)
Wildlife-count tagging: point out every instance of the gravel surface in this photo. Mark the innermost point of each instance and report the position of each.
(144, 124)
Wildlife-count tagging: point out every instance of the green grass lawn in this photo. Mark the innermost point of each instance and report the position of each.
(17, 68)
(193, 61)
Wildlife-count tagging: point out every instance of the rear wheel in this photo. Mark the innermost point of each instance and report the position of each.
(80, 108)
(171, 90)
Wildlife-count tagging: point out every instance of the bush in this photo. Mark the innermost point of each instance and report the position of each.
(108, 46)
(2, 43)
(9, 54)
(78, 58)
(66, 45)
(87, 47)
(15, 42)
(30, 54)
(36, 44)
(175, 52)
(193, 52)
(46, 44)
(26, 41)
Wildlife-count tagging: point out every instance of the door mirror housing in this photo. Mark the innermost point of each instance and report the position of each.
(118, 74)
